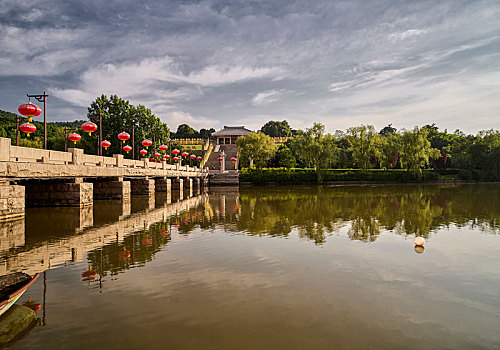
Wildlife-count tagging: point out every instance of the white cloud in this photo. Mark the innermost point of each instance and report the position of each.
(174, 119)
(266, 97)
(410, 33)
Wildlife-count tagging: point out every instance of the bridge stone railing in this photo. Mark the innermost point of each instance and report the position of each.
(76, 156)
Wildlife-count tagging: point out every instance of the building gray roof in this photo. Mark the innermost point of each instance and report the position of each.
(232, 131)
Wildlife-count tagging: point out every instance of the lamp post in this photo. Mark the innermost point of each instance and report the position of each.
(133, 139)
(100, 132)
(42, 98)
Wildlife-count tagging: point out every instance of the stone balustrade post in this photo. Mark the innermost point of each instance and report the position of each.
(4, 149)
(119, 160)
(77, 155)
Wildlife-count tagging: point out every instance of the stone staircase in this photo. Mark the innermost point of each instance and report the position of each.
(230, 152)
(230, 177)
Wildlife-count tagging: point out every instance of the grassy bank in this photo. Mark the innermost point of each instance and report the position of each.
(299, 176)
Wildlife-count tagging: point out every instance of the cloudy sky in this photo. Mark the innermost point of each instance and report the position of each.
(235, 62)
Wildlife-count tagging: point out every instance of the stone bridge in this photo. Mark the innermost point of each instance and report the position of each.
(84, 237)
(36, 177)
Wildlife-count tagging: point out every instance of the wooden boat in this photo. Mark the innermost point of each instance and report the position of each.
(12, 286)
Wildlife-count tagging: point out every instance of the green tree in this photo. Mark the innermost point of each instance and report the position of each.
(387, 150)
(315, 148)
(362, 144)
(415, 149)
(277, 129)
(256, 149)
(119, 115)
(387, 130)
(206, 133)
(184, 131)
(284, 157)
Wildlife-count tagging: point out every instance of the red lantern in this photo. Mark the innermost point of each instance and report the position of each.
(220, 159)
(157, 155)
(176, 158)
(176, 151)
(28, 128)
(74, 137)
(143, 152)
(185, 154)
(89, 127)
(192, 156)
(164, 159)
(198, 158)
(167, 156)
(127, 148)
(105, 144)
(147, 143)
(163, 148)
(123, 136)
(233, 160)
(29, 110)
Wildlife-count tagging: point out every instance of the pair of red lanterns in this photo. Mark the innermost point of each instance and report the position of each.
(234, 160)
(90, 128)
(30, 111)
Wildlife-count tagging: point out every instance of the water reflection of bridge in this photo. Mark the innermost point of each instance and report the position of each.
(79, 230)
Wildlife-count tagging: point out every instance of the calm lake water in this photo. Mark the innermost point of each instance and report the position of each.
(266, 268)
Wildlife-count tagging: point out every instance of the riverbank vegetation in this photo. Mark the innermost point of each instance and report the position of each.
(408, 155)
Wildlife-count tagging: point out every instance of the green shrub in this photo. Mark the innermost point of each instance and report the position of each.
(478, 175)
(298, 176)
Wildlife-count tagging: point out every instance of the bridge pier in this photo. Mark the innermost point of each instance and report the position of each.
(77, 194)
(196, 186)
(163, 185)
(143, 186)
(114, 189)
(177, 188)
(188, 187)
(12, 201)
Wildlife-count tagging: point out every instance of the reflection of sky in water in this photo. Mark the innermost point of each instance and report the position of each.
(214, 287)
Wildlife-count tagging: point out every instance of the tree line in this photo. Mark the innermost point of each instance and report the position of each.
(362, 147)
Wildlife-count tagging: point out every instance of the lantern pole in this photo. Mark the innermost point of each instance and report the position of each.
(42, 98)
(133, 142)
(17, 130)
(99, 146)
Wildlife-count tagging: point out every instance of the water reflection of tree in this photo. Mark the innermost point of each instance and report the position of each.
(408, 210)
(316, 212)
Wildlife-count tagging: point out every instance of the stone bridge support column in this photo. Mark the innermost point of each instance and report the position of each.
(12, 201)
(177, 189)
(143, 186)
(188, 187)
(114, 189)
(196, 186)
(163, 185)
(76, 194)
